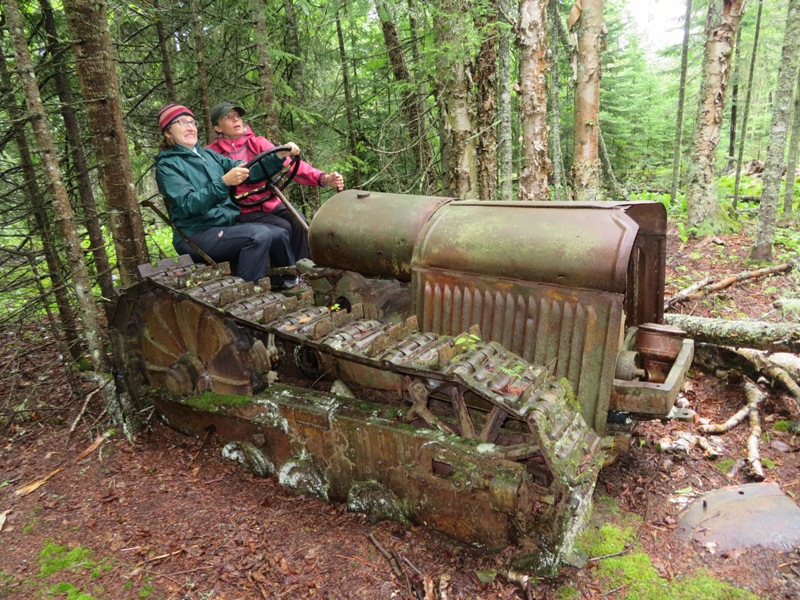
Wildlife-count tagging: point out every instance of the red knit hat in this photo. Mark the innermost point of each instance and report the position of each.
(171, 112)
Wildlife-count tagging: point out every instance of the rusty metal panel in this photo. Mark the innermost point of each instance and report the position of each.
(576, 246)
(369, 232)
(577, 333)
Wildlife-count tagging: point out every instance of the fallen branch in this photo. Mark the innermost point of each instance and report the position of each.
(775, 337)
(707, 286)
(765, 365)
(754, 397)
(739, 417)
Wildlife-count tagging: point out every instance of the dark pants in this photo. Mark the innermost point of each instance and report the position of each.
(281, 217)
(252, 246)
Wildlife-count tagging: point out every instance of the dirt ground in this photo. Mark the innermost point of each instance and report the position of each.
(168, 518)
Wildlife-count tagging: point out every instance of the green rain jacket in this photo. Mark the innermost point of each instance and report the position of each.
(191, 183)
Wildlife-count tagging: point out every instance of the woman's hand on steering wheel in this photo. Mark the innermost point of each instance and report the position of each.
(236, 176)
(294, 150)
(278, 181)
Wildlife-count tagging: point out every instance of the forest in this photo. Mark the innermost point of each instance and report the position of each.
(491, 100)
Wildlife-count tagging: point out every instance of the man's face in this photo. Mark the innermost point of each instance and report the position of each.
(230, 125)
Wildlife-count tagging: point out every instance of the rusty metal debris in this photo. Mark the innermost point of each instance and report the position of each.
(477, 348)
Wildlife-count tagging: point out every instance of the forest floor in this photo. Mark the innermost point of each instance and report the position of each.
(168, 518)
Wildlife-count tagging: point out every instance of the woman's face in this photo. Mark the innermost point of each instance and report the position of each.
(184, 131)
(231, 125)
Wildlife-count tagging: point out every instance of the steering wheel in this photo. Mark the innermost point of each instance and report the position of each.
(278, 181)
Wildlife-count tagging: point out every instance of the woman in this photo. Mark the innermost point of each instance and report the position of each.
(236, 140)
(196, 184)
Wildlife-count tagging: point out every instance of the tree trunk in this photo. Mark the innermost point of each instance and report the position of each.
(87, 309)
(69, 325)
(200, 59)
(411, 105)
(558, 34)
(586, 160)
(734, 102)
(504, 142)
(745, 116)
(75, 145)
(791, 161)
(166, 62)
(747, 334)
(776, 150)
(271, 122)
(676, 158)
(297, 81)
(454, 79)
(486, 102)
(348, 102)
(722, 22)
(611, 179)
(533, 65)
(88, 27)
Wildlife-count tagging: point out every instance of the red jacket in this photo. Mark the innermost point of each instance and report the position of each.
(248, 146)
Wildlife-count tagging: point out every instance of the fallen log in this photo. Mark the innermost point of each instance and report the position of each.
(764, 363)
(775, 337)
(708, 285)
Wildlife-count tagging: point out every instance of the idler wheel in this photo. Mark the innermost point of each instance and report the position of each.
(187, 349)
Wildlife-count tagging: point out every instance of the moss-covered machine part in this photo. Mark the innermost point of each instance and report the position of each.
(453, 362)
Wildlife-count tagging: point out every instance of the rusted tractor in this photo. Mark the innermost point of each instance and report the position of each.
(454, 362)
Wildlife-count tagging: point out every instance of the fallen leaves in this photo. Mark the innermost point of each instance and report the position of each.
(35, 485)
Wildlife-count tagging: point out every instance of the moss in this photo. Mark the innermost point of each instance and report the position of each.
(567, 592)
(608, 539)
(57, 558)
(781, 426)
(211, 402)
(640, 580)
(725, 465)
(71, 591)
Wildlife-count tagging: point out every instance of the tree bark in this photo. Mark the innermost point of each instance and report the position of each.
(454, 79)
(791, 160)
(88, 26)
(722, 22)
(533, 65)
(505, 149)
(486, 102)
(65, 218)
(676, 157)
(411, 104)
(776, 150)
(75, 145)
(748, 96)
(586, 181)
(200, 59)
(271, 121)
(348, 102)
(748, 334)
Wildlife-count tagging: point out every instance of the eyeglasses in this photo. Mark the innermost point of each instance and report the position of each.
(186, 122)
(232, 116)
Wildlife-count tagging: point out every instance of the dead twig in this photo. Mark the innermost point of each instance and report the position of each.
(395, 565)
(89, 396)
(707, 286)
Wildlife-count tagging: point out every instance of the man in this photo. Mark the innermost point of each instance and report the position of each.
(237, 141)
